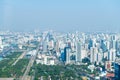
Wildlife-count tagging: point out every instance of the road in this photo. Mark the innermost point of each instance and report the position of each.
(20, 57)
(30, 64)
(5, 52)
(25, 76)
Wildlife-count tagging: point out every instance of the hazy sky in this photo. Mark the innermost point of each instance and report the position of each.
(60, 15)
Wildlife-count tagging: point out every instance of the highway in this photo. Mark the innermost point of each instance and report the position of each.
(5, 52)
(30, 64)
(20, 57)
(25, 75)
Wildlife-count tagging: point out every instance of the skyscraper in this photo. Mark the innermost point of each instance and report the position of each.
(117, 69)
(67, 52)
(107, 43)
(45, 47)
(93, 54)
(112, 55)
(78, 52)
(0, 41)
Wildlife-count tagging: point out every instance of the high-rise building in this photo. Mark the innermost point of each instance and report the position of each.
(107, 43)
(118, 46)
(90, 44)
(0, 41)
(94, 42)
(78, 52)
(67, 52)
(73, 46)
(99, 57)
(114, 44)
(117, 69)
(51, 44)
(1, 44)
(112, 55)
(93, 54)
(83, 53)
(45, 47)
(57, 46)
(103, 46)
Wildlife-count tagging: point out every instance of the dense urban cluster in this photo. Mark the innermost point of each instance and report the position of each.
(50, 55)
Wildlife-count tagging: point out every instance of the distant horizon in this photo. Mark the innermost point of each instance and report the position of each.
(34, 30)
(62, 16)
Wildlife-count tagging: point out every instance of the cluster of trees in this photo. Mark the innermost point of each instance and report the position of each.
(6, 63)
(55, 72)
(18, 69)
(9, 70)
(3, 65)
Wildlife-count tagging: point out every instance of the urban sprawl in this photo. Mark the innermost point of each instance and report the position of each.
(50, 55)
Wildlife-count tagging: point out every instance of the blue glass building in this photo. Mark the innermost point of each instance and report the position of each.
(117, 71)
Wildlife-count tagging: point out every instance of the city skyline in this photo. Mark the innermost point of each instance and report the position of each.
(59, 40)
(88, 55)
